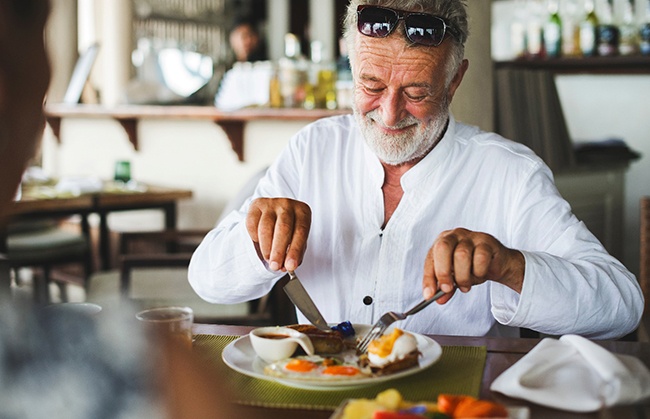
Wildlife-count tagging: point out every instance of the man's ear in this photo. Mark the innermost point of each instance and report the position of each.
(455, 82)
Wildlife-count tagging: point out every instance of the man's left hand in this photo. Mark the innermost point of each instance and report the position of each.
(461, 258)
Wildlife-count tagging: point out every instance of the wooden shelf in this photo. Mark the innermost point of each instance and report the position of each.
(636, 64)
(232, 123)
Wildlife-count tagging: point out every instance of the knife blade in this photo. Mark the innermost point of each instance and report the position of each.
(301, 299)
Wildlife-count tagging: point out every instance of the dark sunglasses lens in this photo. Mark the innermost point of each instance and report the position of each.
(425, 30)
(376, 22)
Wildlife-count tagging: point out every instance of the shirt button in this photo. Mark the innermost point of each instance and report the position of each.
(367, 300)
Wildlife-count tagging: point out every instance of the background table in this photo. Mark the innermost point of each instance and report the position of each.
(502, 353)
(101, 203)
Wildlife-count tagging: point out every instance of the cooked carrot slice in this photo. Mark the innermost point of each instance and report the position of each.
(472, 408)
(447, 402)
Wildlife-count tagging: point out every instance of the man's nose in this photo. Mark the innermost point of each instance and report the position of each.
(392, 108)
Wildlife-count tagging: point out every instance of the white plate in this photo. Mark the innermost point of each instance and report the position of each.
(240, 356)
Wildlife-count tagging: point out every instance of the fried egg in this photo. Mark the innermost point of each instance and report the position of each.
(391, 347)
(314, 368)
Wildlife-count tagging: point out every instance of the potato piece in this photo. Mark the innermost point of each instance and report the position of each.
(361, 409)
(390, 399)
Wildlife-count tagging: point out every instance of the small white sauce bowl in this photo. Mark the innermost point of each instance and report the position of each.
(274, 343)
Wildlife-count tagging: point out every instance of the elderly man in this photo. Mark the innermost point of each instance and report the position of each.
(376, 210)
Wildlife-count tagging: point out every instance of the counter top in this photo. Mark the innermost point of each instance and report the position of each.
(231, 122)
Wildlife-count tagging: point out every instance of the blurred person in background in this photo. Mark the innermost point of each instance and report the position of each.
(246, 42)
(62, 363)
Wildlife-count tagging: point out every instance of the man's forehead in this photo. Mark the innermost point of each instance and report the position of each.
(395, 51)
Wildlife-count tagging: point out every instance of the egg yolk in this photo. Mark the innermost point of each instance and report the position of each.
(341, 370)
(383, 346)
(300, 365)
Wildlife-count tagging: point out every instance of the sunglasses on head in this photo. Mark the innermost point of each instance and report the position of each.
(421, 28)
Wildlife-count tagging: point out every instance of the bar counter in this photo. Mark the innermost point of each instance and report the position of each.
(232, 123)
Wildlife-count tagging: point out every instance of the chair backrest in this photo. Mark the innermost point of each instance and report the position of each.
(644, 272)
(5, 277)
(244, 193)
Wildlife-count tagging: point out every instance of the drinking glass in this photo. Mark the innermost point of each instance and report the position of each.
(174, 323)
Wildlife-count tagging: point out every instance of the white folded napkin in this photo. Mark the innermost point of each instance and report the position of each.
(77, 185)
(575, 374)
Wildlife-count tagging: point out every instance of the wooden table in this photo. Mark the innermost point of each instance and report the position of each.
(101, 203)
(501, 354)
(155, 197)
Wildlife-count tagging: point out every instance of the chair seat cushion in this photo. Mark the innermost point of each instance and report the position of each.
(50, 244)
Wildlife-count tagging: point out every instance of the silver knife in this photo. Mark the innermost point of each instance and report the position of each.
(299, 297)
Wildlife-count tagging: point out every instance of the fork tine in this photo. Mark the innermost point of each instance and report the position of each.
(372, 334)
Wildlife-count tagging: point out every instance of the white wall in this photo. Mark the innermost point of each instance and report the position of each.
(188, 154)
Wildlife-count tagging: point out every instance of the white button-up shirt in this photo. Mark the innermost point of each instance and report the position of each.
(471, 179)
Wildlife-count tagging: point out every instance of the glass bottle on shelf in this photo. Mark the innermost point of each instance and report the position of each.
(644, 32)
(344, 83)
(628, 42)
(275, 94)
(608, 34)
(553, 30)
(534, 26)
(292, 73)
(570, 29)
(311, 85)
(518, 30)
(322, 80)
(588, 30)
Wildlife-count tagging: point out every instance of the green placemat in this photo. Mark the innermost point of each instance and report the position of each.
(459, 371)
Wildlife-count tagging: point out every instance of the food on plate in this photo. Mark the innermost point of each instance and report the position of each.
(389, 404)
(315, 367)
(459, 406)
(325, 342)
(345, 328)
(390, 353)
(336, 358)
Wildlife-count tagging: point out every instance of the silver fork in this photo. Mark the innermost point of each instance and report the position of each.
(389, 318)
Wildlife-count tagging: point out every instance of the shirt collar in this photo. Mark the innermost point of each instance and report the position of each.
(434, 161)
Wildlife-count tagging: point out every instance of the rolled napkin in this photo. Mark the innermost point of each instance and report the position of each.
(575, 374)
(76, 185)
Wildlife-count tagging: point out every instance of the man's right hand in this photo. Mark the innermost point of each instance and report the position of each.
(279, 227)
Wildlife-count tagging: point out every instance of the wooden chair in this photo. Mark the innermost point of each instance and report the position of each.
(44, 244)
(160, 279)
(5, 277)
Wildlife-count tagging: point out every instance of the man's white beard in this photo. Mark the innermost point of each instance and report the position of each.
(396, 149)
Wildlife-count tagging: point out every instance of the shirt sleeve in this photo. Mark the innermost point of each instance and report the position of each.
(571, 284)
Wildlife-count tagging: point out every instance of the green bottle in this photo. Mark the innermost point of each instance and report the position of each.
(588, 30)
(553, 30)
